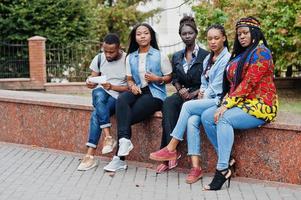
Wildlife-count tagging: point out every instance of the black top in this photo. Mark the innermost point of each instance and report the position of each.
(191, 79)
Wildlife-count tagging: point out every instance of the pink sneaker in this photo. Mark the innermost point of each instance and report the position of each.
(163, 155)
(173, 163)
(162, 168)
(194, 175)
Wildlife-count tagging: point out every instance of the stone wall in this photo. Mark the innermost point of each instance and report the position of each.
(271, 152)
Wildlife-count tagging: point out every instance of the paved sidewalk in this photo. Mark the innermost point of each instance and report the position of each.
(29, 173)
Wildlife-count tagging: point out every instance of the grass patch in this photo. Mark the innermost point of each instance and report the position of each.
(290, 100)
(290, 106)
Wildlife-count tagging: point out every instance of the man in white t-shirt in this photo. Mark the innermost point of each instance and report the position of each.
(111, 66)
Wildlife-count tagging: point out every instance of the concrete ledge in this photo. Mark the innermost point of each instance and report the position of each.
(14, 80)
(71, 87)
(61, 122)
(17, 84)
(288, 82)
(45, 99)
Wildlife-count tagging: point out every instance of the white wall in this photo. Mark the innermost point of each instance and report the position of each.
(166, 23)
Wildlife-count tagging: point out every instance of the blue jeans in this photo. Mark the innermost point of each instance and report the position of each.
(190, 119)
(221, 135)
(104, 107)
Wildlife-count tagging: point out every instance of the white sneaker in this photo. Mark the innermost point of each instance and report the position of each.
(115, 164)
(88, 162)
(108, 145)
(125, 146)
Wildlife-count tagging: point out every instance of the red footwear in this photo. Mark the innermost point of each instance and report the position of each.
(173, 163)
(194, 175)
(167, 165)
(162, 168)
(163, 155)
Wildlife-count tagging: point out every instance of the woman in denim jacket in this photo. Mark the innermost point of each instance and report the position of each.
(147, 73)
(191, 112)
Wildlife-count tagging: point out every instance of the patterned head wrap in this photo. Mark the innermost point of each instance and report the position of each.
(249, 22)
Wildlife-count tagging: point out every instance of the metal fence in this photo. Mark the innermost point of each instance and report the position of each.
(14, 60)
(71, 63)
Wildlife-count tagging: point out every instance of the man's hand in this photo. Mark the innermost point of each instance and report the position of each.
(107, 86)
(90, 84)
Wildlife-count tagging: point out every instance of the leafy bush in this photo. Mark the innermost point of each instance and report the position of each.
(119, 17)
(280, 20)
(60, 21)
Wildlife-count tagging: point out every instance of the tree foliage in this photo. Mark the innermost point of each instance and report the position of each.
(70, 26)
(60, 21)
(119, 17)
(65, 21)
(280, 21)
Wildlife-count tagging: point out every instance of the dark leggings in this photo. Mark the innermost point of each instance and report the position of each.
(132, 109)
(171, 110)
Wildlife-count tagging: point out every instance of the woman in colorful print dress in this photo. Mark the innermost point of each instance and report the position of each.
(249, 95)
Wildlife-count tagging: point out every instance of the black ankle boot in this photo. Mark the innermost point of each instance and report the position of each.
(219, 179)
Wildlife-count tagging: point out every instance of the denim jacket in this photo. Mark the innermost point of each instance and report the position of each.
(213, 87)
(153, 65)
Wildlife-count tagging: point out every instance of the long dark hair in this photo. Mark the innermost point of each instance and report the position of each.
(133, 45)
(226, 44)
(256, 37)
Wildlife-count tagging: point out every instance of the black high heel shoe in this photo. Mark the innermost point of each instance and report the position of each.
(220, 177)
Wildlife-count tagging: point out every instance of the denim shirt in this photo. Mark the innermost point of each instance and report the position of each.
(153, 65)
(213, 87)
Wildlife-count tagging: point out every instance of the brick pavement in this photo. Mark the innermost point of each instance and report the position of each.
(31, 173)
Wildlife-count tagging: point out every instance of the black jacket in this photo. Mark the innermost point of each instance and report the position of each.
(192, 79)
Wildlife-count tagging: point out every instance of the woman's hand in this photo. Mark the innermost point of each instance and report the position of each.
(135, 89)
(201, 94)
(219, 112)
(190, 96)
(150, 77)
(184, 93)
